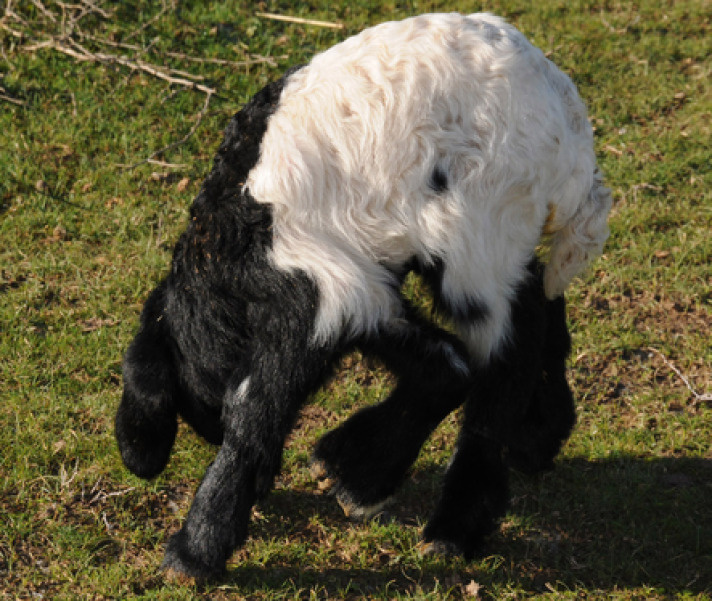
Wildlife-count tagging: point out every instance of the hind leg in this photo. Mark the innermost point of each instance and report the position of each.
(146, 420)
(258, 413)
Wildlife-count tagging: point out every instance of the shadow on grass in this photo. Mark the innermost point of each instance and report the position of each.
(612, 524)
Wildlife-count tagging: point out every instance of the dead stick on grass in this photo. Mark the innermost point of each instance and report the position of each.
(97, 9)
(12, 32)
(152, 20)
(183, 140)
(12, 100)
(255, 60)
(300, 20)
(66, 44)
(703, 398)
(44, 11)
(82, 54)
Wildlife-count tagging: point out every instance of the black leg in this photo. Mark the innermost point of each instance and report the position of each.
(146, 421)
(368, 456)
(475, 494)
(537, 439)
(520, 409)
(258, 412)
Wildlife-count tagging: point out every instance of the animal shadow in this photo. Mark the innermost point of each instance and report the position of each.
(616, 523)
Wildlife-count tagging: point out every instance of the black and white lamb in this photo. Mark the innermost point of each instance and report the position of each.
(443, 143)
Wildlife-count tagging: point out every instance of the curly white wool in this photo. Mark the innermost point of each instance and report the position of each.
(348, 157)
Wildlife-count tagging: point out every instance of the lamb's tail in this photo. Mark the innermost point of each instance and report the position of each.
(580, 239)
(146, 421)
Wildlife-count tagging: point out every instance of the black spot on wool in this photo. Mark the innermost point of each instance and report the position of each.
(438, 180)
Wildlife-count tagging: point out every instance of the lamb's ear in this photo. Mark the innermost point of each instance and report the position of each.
(579, 240)
(146, 421)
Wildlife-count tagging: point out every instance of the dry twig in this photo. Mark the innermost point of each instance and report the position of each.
(12, 32)
(643, 186)
(63, 19)
(700, 398)
(180, 142)
(253, 60)
(300, 20)
(82, 54)
(10, 99)
(96, 9)
(150, 22)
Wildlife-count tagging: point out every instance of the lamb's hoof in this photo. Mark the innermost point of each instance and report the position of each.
(529, 464)
(180, 578)
(449, 537)
(438, 548)
(181, 565)
(354, 511)
(351, 508)
(318, 471)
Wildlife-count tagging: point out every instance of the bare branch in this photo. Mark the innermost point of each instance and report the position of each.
(13, 32)
(81, 53)
(148, 23)
(168, 165)
(44, 11)
(96, 9)
(703, 398)
(180, 142)
(300, 20)
(13, 15)
(38, 46)
(12, 100)
(66, 39)
(157, 163)
(86, 36)
(255, 59)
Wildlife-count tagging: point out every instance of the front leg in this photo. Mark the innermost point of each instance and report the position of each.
(475, 494)
(537, 439)
(368, 456)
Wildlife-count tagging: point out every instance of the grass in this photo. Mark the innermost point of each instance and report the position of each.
(627, 512)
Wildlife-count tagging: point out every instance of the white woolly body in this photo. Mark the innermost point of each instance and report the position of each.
(347, 161)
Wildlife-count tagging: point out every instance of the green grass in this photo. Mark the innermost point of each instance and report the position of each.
(627, 512)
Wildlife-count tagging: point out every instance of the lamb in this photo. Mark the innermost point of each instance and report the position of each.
(445, 144)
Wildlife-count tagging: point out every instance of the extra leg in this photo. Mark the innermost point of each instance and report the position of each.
(368, 456)
(146, 421)
(475, 491)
